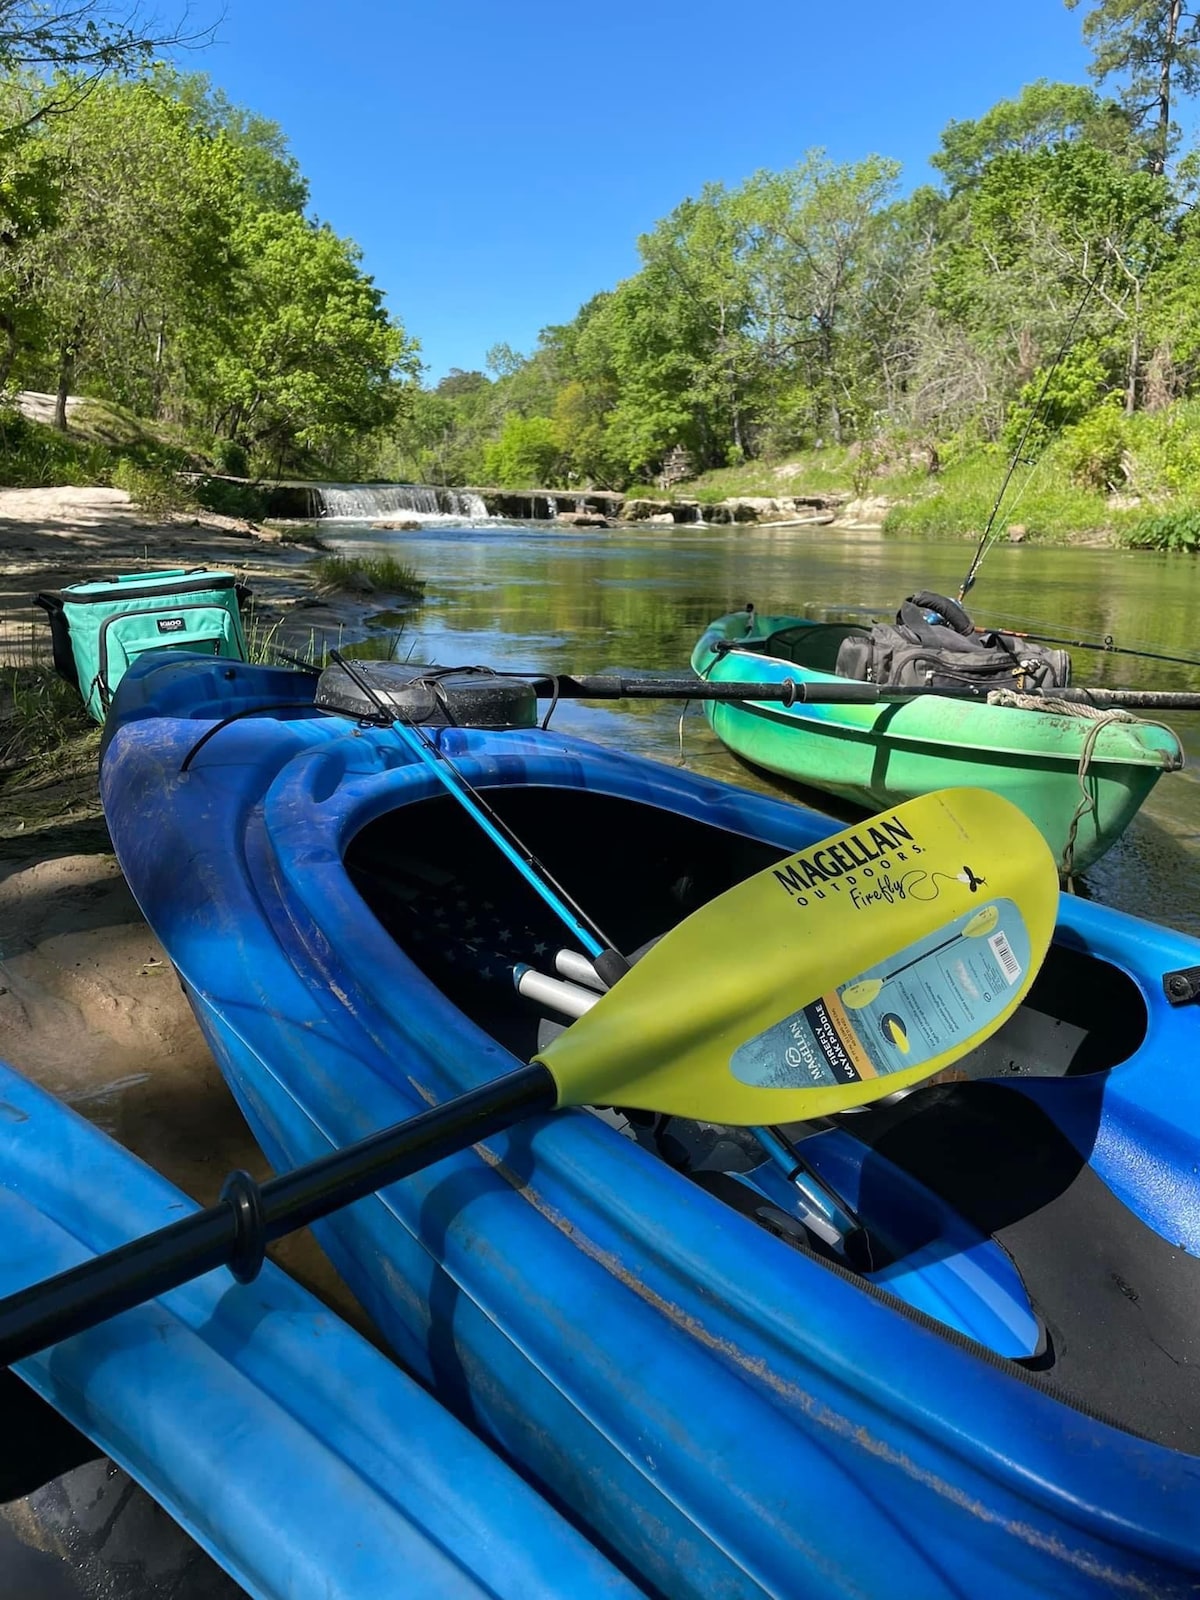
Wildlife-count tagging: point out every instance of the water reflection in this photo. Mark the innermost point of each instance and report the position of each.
(589, 600)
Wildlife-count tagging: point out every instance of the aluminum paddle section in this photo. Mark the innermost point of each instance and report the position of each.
(750, 1032)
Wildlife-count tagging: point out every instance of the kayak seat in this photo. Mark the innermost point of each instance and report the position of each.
(1121, 1305)
(813, 645)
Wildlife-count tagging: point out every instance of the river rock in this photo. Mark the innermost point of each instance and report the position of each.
(582, 519)
(870, 509)
(643, 510)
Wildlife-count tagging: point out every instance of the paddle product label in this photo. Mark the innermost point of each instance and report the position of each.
(923, 1001)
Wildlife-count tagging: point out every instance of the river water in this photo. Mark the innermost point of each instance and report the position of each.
(544, 598)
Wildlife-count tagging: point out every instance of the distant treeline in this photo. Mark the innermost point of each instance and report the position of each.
(816, 305)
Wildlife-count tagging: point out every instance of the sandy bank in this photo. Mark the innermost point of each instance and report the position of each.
(89, 1006)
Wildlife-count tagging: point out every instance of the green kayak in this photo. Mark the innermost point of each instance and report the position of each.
(1081, 782)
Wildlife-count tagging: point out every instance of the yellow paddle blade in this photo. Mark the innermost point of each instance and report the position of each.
(742, 1013)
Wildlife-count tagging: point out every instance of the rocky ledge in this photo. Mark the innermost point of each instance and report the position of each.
(590, 508)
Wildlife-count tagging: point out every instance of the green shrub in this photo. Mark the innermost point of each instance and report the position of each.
(1165, 451)
(1093, 450)
(231, 457)
(231, 499)
(960, 502)
(36, 457)
(525, 456)
(1166, 530)
(154, 490)
(1048, 404)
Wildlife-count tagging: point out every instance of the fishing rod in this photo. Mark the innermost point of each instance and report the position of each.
(1106, 647)
(1018, 457)
(611, 964)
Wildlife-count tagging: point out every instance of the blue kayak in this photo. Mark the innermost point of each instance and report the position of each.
(994, 1397)
(299, 1456)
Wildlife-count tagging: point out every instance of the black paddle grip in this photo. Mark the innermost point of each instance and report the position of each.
(237, 1230)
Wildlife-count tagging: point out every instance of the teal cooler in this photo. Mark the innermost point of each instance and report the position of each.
(99, 629)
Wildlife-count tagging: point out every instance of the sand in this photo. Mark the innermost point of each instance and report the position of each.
(90, 1008)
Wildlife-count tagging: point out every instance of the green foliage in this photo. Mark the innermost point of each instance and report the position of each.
(33, 457)
(155, 491)
(154, 253)
(1043, 115)
(1054, 399)
(1178, 529)
(230, 456)
(958, 503)
(1093, 451)
(61, 50)
(1153, 48)
(1164, 451)
(384, 574)
(308, 359)
(230, 499)
(525, 455)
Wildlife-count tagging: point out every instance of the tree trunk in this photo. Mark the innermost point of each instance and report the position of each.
(1131, 385)
(1162, 138)
(8, 327)
(66, 374)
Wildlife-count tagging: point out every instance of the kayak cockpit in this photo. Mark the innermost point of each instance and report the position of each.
(978, 1208)
(465, 917)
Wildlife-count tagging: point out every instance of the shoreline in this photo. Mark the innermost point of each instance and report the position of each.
(90, 1008)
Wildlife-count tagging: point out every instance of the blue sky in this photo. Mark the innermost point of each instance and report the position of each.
(496, 163)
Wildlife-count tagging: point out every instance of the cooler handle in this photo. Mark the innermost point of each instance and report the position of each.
(165, 572)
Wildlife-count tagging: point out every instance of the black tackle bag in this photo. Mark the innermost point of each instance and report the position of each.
(933, 644)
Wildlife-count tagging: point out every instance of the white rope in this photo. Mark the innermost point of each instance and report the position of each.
(1100, 719)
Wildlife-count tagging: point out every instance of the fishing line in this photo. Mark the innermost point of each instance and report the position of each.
(986, 538)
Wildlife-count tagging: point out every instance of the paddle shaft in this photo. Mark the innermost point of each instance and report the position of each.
(236, 1231)
(850, 691)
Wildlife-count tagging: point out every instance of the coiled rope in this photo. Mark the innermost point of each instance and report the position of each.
(1099, 719)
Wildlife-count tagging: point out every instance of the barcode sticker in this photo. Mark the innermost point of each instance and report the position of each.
(1009, 965)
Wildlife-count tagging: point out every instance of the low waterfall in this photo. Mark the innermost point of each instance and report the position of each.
(420, 502)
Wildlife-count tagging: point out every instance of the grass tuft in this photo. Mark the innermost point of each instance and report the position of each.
(41, 718)
(367, 575)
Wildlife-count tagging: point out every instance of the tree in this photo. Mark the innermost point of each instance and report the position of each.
(271, 175)
(525, 455)
(67, 46)
(818, 229)
(1154, 46)
(1058, 239)
(310, 360)
(1043, 115)
(140, 240)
